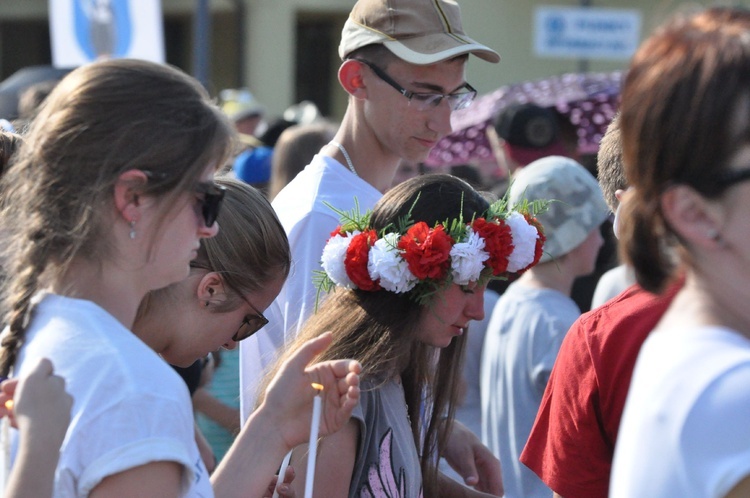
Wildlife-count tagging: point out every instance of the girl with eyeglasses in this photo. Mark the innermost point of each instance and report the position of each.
(685, 122)
(109, 199)
(235, 275)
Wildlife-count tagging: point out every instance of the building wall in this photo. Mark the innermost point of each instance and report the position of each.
(264, 59)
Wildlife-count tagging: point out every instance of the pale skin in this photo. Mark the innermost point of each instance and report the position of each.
(187, 327)
(279, 424)
(379, 130)
(715, 234)
(473, 460)
(337, 452)
(41, 413)
(154, 259)
(380, 127)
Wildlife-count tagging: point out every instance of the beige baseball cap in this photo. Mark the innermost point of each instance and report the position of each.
(416, 31)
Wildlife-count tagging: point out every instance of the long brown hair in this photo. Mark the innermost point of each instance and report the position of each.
(379, 329)
(101, 120)
(685, 108)
(250, 250)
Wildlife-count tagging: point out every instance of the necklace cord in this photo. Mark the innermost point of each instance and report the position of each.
(346, 156)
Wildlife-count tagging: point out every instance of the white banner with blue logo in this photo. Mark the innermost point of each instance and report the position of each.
(586, 32)
(83, 31)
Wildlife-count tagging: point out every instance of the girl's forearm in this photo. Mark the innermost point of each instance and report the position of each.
(252, 460)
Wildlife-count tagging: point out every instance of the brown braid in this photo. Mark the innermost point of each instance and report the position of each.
(18, 316)
(100, 121)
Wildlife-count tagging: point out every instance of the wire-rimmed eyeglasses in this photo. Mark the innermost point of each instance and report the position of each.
(424, 101)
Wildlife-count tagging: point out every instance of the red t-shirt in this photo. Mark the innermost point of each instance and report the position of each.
(572, 442)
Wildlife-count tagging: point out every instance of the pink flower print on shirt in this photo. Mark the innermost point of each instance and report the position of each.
(381, 479)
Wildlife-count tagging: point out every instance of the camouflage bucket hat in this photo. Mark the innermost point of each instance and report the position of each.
(578, 205)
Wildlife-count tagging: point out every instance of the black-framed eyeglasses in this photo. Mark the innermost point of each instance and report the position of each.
(424, 101)
(212, 196)
(250, 324)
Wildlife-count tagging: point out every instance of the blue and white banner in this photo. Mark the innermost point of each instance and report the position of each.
(87, 30)
(586, 32)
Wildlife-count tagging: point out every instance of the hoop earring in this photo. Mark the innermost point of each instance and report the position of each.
(132, 229)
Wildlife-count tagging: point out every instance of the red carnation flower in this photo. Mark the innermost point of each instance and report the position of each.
(356, 260)
(498, 242)
(426, 251)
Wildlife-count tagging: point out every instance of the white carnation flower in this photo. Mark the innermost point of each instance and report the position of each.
(385, 263)
(332, 261)
(467, 258)
(524, 242)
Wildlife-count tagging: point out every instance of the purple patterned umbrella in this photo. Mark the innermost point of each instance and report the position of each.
(588, 100)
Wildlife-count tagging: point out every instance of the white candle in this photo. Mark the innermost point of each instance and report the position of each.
(282, 471)
(313, 446)
(4, 452)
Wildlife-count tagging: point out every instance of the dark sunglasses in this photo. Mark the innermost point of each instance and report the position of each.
(727, 178)
(212, 196)
(250, 324)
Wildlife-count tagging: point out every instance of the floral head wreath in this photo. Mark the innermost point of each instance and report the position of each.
(420, 260)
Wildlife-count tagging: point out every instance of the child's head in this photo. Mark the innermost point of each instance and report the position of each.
(577, 206)
(103, 123)
(251, 249)
(244, 263)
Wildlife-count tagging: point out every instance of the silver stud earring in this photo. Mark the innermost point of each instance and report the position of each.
(132, 229)
(715, 235)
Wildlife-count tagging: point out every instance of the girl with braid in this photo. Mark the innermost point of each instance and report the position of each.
(109, 199)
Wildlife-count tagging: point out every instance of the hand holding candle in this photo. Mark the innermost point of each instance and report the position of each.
(288, 394)
(313, 446)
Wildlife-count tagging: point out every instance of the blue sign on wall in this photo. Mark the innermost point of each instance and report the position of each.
(588, 33)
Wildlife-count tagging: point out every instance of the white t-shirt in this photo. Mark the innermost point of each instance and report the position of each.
(308, 222)
(129, 407)
(523, 337)
(612, 283)
(685, 431)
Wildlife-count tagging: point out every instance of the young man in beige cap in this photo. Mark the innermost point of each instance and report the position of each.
(404, 70)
